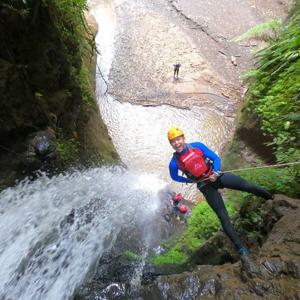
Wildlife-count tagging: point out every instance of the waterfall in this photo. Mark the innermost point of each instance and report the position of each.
(53, 230)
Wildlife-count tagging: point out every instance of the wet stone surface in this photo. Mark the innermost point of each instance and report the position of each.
(154, 35)
(271, 272)
(148, 45)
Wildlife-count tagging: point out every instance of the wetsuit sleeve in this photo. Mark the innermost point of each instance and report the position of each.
(173, 169)
(210, 154)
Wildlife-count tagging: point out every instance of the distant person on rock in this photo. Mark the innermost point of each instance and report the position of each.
(176, 70)
(202, 166)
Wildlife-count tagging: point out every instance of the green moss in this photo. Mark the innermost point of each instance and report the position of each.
(173, 256)
(74, 32)
(68, 150)
(264, 31)
(274, 90)
(86, 87)
(277, 180)
(250, 221)
(131, 255)
(202, 224)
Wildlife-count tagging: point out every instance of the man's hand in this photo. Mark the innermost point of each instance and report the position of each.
(213, 177)
(205, 179)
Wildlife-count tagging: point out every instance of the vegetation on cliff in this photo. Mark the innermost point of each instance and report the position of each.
(269, 122)
(46, 61)
(274, 93)
(202, 224)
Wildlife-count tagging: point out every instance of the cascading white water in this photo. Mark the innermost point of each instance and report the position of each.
(53, 230)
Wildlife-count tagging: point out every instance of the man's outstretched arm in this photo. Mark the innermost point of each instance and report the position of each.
(173, 169)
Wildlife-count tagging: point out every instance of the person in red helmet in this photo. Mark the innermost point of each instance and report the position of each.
(202, 166)
(177, 200)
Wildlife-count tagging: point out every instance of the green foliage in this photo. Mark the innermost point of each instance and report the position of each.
(274, 93)
(38, 94)
(250, 220)
(173, 256)
(201, 226)
(236, 198)
(67, 16)
(131, 255)
(68, 149)
(277, 180)
(84, 82)
(265, 31)
(254, 217)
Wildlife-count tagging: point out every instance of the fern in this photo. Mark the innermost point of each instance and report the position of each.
(275, 88)
(265, 31)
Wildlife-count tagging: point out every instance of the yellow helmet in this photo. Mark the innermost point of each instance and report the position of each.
(174, 133)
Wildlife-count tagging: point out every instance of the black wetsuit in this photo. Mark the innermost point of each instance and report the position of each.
(176, 70)
(215, 200)
(210, 189)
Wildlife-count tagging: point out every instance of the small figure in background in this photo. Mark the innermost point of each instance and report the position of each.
(180, 209)
(174, 207)
(176, 70)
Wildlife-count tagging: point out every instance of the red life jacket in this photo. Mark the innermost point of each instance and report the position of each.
(194, 164)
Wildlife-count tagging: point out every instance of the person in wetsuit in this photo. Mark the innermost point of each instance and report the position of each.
(202, 166)
(176, 70)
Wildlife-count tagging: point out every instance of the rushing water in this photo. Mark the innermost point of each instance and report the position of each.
(53, 230)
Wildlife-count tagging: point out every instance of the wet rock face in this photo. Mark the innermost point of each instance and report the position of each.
(190, 287)
(35, 81)
(270, 272)
(216, 251)
(193, 285)
(109, 292)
